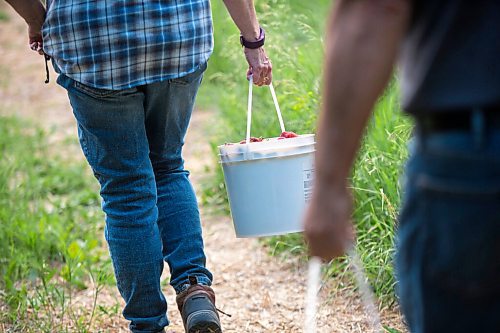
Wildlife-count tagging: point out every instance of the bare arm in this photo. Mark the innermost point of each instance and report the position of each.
(362, 43)
(243, 14)
(33, 12)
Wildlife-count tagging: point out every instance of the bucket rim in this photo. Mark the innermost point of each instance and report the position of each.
(312, 144)
(266, 141)
(265, 157)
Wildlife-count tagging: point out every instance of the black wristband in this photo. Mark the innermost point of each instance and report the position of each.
(255, 44)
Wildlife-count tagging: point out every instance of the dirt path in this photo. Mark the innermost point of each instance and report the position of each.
(263, 294)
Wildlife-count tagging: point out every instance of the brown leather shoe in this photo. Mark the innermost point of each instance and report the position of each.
(197, 307)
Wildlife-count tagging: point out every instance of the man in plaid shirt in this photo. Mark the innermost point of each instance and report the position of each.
(132, 69)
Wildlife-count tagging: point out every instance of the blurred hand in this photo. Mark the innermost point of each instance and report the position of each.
(328, 227)
(259, 66)
(35, 39)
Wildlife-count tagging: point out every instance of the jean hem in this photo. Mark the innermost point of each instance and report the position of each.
(185, 284)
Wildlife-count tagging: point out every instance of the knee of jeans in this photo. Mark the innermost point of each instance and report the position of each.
(167, 165)
(129, 201)
(132, 217)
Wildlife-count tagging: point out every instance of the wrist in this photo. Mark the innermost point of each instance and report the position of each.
(253, 42)
(35, 24)
(252, 35)
(332, 187)
(36, 20)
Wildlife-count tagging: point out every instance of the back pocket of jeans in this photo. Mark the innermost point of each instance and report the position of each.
(94, 92)
(462, 218)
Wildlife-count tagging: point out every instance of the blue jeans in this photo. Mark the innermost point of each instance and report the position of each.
(133, 140)
(448, 255)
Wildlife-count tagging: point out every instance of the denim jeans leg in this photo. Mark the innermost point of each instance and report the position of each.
(448, 258)
(113, 138)
(169, 106)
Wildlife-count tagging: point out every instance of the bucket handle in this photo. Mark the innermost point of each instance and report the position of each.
(249, 108)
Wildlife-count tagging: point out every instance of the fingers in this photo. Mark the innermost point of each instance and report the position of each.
(328, 229)
(267, 72)
(259, 75)
(263, 73)
(37, 47)
(259, 66)
(326, 247)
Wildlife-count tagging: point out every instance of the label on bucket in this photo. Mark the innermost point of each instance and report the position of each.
(308, 182)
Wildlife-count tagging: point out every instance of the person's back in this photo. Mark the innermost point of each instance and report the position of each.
(449, 254)
(451, 55)
(112, 45)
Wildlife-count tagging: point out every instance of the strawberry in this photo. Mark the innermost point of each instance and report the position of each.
(252, 139)
(288, 135)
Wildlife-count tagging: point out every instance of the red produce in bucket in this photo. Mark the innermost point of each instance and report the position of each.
(252, 139)
(287, 135)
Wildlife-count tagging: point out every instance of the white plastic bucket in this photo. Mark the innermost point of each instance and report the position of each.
(268, 183)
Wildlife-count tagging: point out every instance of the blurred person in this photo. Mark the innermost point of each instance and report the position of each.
(132, 70)
(448, 241)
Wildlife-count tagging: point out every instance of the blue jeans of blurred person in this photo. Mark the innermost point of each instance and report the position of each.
(133, 140)
(448, 260)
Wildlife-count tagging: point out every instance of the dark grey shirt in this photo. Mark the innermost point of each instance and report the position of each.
(451, 56)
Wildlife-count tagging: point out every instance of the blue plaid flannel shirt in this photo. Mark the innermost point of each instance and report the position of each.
(119, 44)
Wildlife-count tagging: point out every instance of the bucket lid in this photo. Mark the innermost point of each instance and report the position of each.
(269, 148)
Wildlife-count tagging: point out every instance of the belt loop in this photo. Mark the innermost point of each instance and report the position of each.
(478, 126)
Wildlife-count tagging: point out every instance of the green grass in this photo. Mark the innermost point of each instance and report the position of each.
(376, 189)
(50, 232)
(295, 45)
(3, 16)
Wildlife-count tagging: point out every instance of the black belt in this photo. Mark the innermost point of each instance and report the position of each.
(460, 120)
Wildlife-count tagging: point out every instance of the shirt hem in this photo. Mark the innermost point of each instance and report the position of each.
(135, 83)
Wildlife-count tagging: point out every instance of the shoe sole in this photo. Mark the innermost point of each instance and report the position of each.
(205, 328)
(203, 322)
